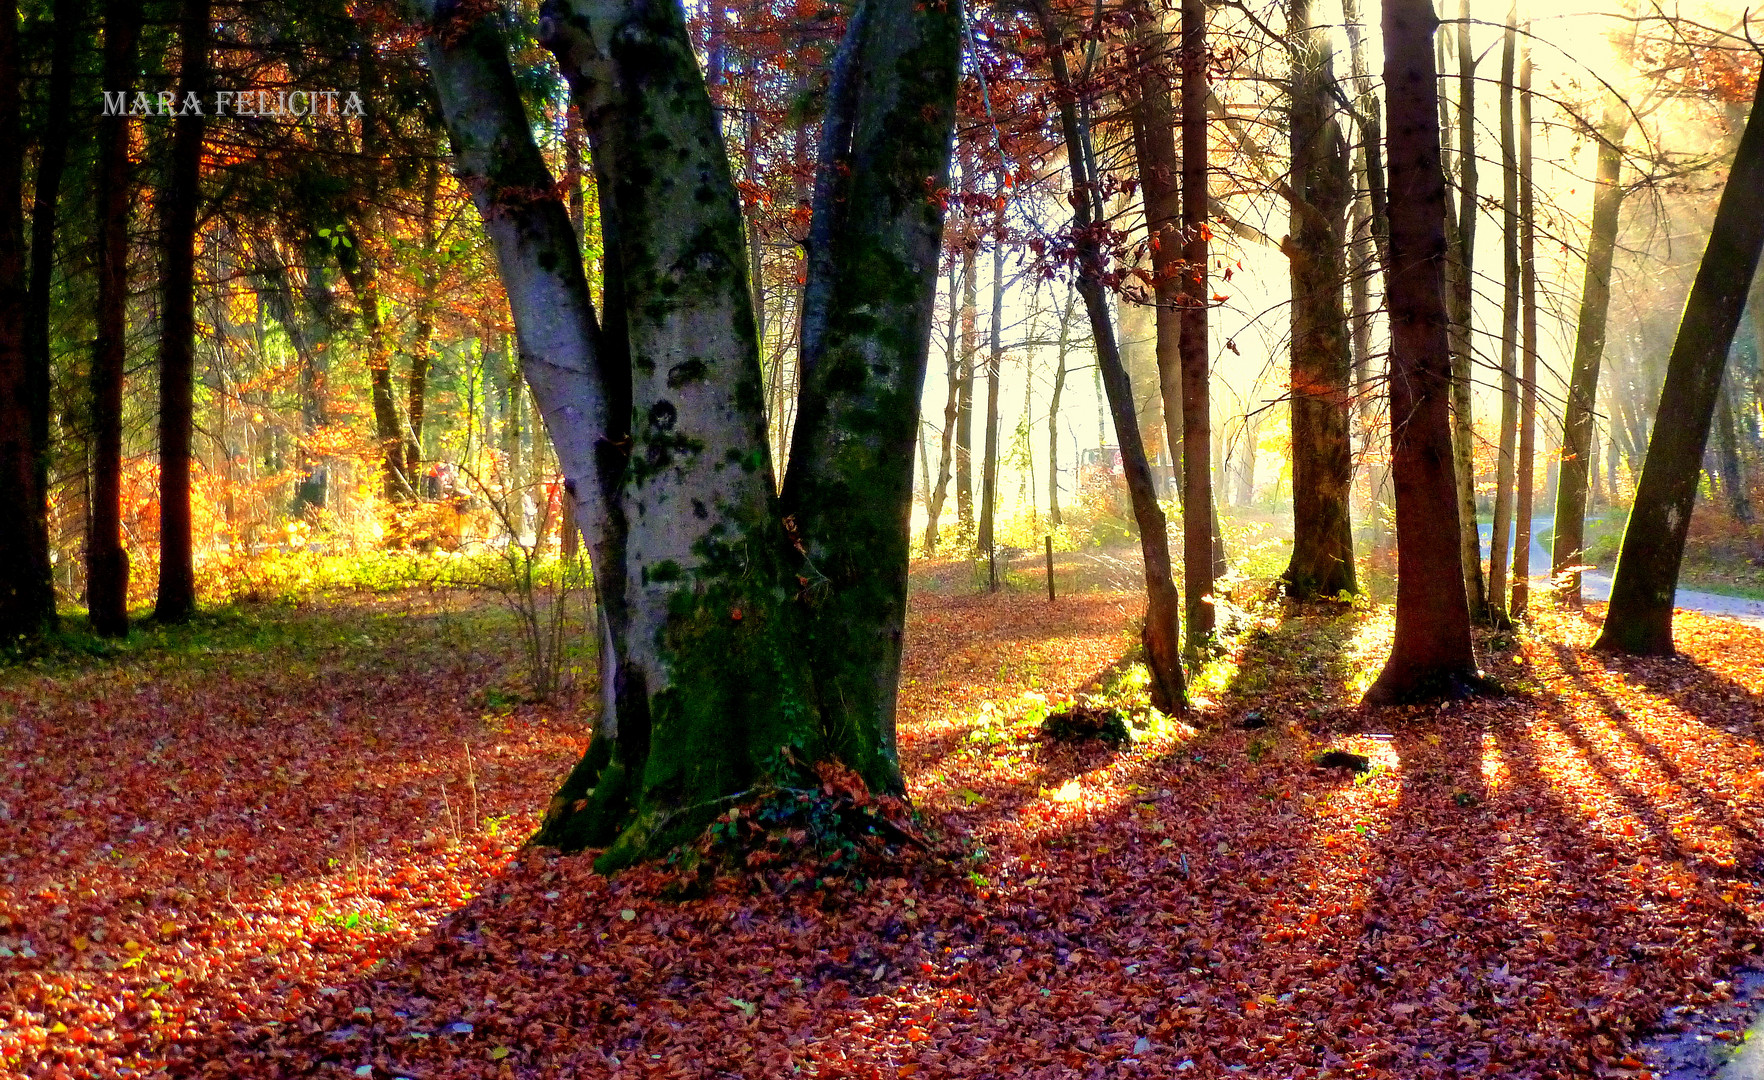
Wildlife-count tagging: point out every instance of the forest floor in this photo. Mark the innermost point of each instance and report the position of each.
(285, 842)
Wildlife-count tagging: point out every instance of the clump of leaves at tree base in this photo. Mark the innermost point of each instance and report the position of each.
(1087, 722)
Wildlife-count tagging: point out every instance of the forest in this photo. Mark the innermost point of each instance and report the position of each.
(881, 538)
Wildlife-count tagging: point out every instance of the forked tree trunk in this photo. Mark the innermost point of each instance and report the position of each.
(1509, 435)
(1322, 562)
(1198, 527)
(1431, 654)
(718, 601)
(1640, 617)
(1567, 549)
(107, 563)
(1162, 633)
(1528, 322)
(181, 199)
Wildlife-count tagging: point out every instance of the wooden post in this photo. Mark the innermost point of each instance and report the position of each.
(1050, 584)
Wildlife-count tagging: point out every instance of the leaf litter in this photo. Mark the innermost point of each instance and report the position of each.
(247, 865)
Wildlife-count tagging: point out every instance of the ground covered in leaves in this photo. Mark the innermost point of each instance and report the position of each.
(288, 846)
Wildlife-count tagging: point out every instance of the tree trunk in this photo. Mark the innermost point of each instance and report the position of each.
(107, 563)
(1461, 286)
(1567, 549)
(1322, 562)
(416, 386)
(1640, 617)
(1197, 501)
(1505, 466)
(1733, 476)
(965, 396)
(1162, 634)
(1053, 410)
(983, 539)
(953, 375)
(1431, 653)
(1528, 380)
(29, 601)
(180, 200)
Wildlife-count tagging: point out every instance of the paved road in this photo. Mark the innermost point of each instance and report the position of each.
(1598, 586)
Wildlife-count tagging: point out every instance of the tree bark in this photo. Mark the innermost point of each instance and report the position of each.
(1639, 620)
(27, 599)
(1322, 563)
(1461, 292)
(1733, 476)
(1509, 434)
(1197, 515)
(983, 537)
(1431, 654)
(107, 563)
(1521, 600)
(181, 200)
(953, 376)
(1053, 409)
(965, 393)
(1162, 634)
(416, 385)
(1567, 549)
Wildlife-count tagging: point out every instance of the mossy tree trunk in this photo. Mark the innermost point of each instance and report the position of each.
(1460, 304)
(1639, 620)
(748, 636)
(1527, 467)
(1431, 653)
(1506, 465)
(1322, 561)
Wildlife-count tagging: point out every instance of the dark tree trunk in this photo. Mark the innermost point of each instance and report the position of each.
(1322, 455)
(1567, 549)
(1460, 295)
(1431, 653)
(1197, 478)
(1528, 347)
(416, 386)
(1640, 617)
(31, 561)
(27, 598)
(1509, 433)
(107, 563)
(1162, 633)
(1733, 474)
(1053, 410)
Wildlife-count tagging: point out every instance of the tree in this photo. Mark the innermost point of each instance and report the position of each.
(1528, 379)
(107, 563)
(750, 635)
(1431, 654)
(1509, 435)
(181, 200)
(1197, 474)
(27, 600)
(1161, 636)
(1322, 456)
(1567, 549)
(1639, 620)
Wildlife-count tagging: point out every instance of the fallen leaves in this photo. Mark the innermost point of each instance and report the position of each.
(1512, 887)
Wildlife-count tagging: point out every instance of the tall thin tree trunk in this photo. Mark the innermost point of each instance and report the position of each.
(1197, 516)
(1431, 653)
(416, 386)
(994, 357)
(1640, 617)
(1053, 409)
(1322, 561)
(1733, 476)
(1162, 633)
(965, 396)
(1461, 283)
(1505, 466)
(181, 199)
(1528, 380)
(1578, 450)
(953, 375)
(107, 562)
